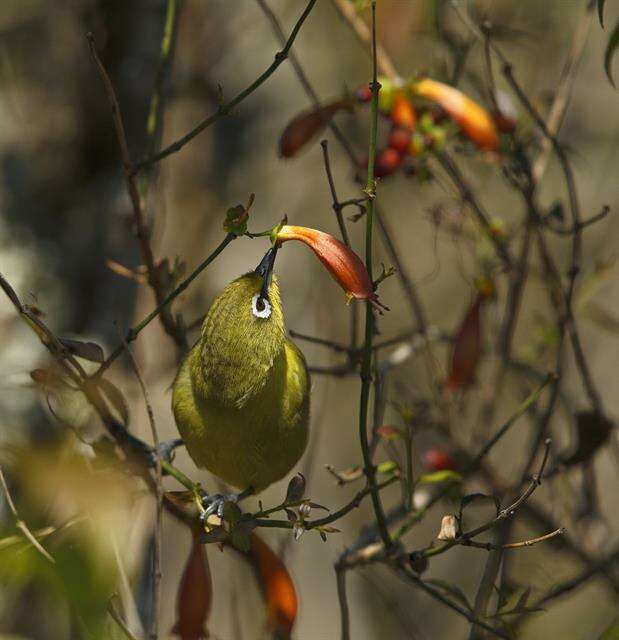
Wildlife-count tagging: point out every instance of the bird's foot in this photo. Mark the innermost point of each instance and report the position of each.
(165, 451)
(216, 503)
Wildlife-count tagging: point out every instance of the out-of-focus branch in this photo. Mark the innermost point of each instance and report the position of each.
(153, 269)
(563, 90)
(348, 13)
(20, 524)
(225, 109)
(154, 632)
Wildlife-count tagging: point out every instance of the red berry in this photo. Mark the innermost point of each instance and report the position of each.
(399, 139)
(363, 93)
(386, 163)
(436, 459)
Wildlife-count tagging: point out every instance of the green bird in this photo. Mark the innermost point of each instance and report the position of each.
(241, 397)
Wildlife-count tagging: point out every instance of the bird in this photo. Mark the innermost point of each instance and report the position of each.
(241, 398)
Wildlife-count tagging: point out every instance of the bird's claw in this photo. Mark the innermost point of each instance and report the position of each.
(217, 503)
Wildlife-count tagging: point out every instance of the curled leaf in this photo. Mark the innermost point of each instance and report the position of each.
(467, 348)
(86, 350)
(195, 595)
(342, 262)
(474, 121)
(307, 125)
(277, 586)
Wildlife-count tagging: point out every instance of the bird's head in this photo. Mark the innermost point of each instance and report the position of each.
(244, 331)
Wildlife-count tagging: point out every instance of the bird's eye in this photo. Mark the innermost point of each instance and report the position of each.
(260, 306)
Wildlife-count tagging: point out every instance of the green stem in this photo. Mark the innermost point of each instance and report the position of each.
(366, 366)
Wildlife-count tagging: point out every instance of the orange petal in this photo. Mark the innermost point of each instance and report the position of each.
(474, 120)
(467, 348)
(278, 588)
(307, 125)
(342, 262)
(195, 595)
(403, 113)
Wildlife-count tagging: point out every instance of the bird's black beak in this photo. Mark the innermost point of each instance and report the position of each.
(265, 270)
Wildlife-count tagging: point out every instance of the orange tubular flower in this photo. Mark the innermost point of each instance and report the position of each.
(342, 262)
(475, 122)
(277, 586)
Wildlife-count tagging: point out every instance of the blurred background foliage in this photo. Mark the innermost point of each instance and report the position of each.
(65, 217)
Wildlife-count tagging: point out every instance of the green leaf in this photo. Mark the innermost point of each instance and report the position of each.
(232, 513)
(613, 43)
(446, 475)
(601, 12)
(387, 467)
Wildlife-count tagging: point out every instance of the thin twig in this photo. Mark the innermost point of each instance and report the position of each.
(154, 632)
(563, 90)
(20, 524)
(366, 365)
(409, 576)
(348, 12)
(515, 545)
(508, 512)
(340, 574)
(225, 109)
(134, 331)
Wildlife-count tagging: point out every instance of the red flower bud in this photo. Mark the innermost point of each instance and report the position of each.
(467, 348)
(342, 262)
(474, 121)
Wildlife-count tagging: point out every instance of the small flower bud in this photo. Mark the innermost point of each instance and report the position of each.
(449, 528)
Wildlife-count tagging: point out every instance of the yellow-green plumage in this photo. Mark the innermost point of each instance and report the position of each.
(241, 397)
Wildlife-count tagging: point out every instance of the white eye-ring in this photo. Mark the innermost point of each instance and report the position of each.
(260, 307)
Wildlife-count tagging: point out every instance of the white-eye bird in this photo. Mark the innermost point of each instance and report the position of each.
(241, 397)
